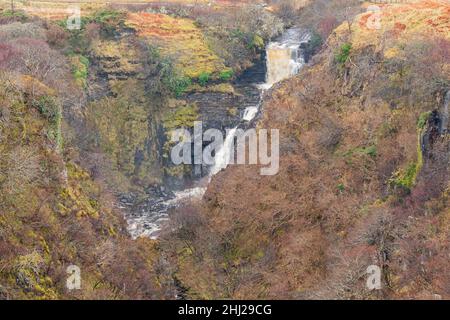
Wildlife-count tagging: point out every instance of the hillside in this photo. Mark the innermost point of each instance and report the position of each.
(364, 176)
(84, 122)
(87, 178)
(53, 214)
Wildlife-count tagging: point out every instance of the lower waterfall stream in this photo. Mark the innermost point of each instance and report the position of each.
(284, 59)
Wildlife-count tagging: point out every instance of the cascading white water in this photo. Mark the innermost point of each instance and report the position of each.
(150, 226)
(284, 59)
(250, 113)
(223, 156)
(284, 56)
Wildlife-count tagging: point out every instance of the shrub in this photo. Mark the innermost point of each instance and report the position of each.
(343, 54)
(6, 54)
(178, 85)
(35, 58)
(47, 106)
(107, 16)
(204, 78)
(287, 12)
(21, 168)
(423, 118)
(17, 30)
(415, 73)
(173, 82)
(226, 75)
(92, 31)
(56, 35)
(315, 42)
(162, 76)
(80, 69)
(257, 42)
(108, 20)
(327, 25)
(312, 46)
(51, 110)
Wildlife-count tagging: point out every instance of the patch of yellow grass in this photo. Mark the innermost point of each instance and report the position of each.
(179, 39)
(117, 57)
(218, 88)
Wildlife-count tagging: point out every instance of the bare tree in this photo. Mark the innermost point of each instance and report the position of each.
(21, 168)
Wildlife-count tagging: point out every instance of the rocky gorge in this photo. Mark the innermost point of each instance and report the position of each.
(359, 95)
(148, 217)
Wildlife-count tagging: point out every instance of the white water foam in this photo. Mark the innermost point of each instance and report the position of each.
(250, 113)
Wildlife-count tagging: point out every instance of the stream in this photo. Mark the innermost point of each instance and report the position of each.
(284, 59)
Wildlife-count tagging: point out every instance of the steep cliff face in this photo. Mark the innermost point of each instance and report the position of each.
(358, 183)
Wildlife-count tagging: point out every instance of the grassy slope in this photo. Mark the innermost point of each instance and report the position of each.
(179, 39)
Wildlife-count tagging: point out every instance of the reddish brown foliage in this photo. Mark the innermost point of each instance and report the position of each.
(56, 35)
(327, 25)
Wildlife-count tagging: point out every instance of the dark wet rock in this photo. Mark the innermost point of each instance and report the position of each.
(431, 132)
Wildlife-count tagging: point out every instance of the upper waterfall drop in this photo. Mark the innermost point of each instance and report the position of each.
(284, 56)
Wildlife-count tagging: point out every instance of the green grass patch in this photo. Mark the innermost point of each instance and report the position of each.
(423, 118)
(80, 69)
(226, 75)
(182, 118)
(178, 85)
(173, 81)
(17, 14)
(340, 188)
(370, 151)
(204, 78)
(405, 178)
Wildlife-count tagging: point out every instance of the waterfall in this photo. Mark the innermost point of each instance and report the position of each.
(223, 156)
(284, 56)
(149, 223)
(444, 115)
(250, 113)
(284, 59)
